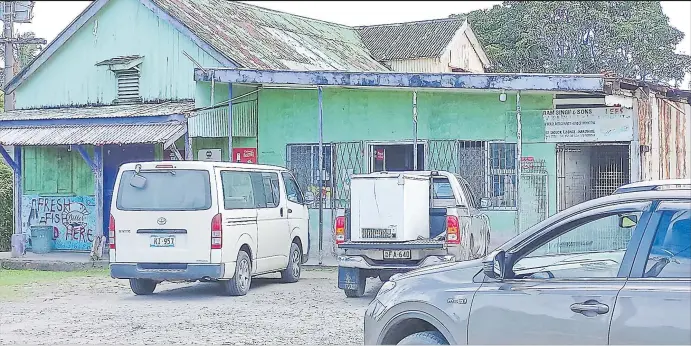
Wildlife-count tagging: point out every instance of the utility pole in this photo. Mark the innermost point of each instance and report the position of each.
(14, 12)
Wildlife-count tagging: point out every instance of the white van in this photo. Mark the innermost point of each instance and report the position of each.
(206, 221)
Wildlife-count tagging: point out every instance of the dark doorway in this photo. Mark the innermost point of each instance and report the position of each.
(113, 157)
(396, 157)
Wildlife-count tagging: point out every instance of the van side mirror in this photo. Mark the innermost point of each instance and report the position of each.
(138, 181)
(485, 202)
(309, 198)
(628, 221)
(493, 267)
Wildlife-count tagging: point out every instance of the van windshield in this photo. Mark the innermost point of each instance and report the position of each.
(165, 190)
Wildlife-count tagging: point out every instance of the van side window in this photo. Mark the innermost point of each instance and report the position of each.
(270, 189)
(292, 190)
(238, 191)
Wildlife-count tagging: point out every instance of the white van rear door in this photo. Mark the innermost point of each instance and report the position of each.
(164, 218)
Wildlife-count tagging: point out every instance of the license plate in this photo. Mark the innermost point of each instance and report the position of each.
(162, 241)
(396, 254)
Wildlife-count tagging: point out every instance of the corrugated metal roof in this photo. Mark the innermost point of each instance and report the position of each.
(121, 111)
(259, 38)
(91, 134)
(424, 39)
(119, 60)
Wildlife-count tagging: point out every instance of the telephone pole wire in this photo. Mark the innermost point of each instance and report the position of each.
(20, 12)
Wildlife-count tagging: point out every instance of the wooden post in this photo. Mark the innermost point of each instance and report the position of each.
(18, 240)
(98, 245)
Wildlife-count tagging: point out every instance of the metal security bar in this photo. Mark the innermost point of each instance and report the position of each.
(489, 167)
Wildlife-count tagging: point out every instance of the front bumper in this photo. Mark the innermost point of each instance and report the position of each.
(166, 272)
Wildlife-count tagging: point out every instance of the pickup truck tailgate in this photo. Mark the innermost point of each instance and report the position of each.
(408, 245)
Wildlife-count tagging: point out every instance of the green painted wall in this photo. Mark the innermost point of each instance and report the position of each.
(291, 116)
(120, 28)
(56, 171)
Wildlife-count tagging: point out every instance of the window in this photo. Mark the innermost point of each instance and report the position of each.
(238, 190)
(271, 189)
(670, 253)
(303, 161)
(490, 170)
(442, 189)
(592, 249)
(469, 195)
(191, 191)
(292, 190)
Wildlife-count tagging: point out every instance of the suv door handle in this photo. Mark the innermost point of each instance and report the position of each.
(590, 307)
(281, 210)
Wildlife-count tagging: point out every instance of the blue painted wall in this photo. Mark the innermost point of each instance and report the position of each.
(120, 28)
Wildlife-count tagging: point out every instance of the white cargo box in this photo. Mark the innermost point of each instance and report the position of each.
(389, 207)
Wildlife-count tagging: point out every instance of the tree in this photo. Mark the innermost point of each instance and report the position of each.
(633, 39)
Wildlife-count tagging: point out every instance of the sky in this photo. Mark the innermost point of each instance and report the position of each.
(50, 18)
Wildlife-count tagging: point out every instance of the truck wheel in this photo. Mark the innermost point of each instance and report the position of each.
(424, 338)
(360, 291)
(384, 277)
(142, 287)
(240, 283)
(292, 272)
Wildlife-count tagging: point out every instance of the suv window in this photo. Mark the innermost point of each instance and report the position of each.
(592, 249)
(248, 190)
(670, 252)
(192, 191)
(292, 190)
(441, 189)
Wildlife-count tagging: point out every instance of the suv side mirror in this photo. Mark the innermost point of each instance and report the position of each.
(309, 198)
(494, 265)
(485, 202)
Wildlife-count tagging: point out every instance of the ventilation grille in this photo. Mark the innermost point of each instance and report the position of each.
(128, 86)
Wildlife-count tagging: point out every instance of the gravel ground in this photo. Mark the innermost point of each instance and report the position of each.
(101, 310)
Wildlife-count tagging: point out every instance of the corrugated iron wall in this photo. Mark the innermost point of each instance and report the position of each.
(664, 138)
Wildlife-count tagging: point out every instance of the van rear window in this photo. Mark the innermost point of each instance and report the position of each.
(165, 190)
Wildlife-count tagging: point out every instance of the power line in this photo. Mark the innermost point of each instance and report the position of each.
(14, 12)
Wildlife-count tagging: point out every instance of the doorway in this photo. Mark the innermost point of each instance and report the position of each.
(113, 157)
(589, 171)
(396, 157)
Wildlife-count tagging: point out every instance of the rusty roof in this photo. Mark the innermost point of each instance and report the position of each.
(422, 39)
(133, 110)
(92, 134)
(259, 38)
(119, 60)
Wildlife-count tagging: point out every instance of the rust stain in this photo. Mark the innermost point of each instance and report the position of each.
(682, 142)
(665, 162)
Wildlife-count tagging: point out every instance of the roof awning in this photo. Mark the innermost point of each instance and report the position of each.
(165, 133)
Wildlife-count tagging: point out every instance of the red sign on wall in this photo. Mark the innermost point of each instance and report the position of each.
(245, 155)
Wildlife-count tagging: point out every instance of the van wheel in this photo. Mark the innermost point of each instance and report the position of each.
(424, 338)
(240, 283)
(142, 287)
(292, 272)
(487, 241)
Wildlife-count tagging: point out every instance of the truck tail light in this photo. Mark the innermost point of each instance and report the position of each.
(217, 232)
(111, 232)
(453, 236)
(339, 226)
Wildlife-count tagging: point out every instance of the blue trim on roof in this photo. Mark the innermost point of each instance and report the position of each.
(222, 59)
(537, 82)
(159, 119)
(85, 156)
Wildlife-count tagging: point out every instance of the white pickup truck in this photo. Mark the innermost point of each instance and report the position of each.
(400, 221)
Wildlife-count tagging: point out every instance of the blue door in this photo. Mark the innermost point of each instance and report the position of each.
(113, 157)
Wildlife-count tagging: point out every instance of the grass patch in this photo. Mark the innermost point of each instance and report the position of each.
(12, 281)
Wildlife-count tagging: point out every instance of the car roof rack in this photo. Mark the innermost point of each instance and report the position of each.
(655, 185)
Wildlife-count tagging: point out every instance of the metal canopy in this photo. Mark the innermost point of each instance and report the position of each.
(516, 82)
(165, 133)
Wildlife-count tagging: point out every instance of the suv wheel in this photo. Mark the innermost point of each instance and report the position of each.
(292, 272)
(240, 283)
(142, 287)
(424, 338)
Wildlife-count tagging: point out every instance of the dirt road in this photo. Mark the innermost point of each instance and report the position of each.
(101, 310)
